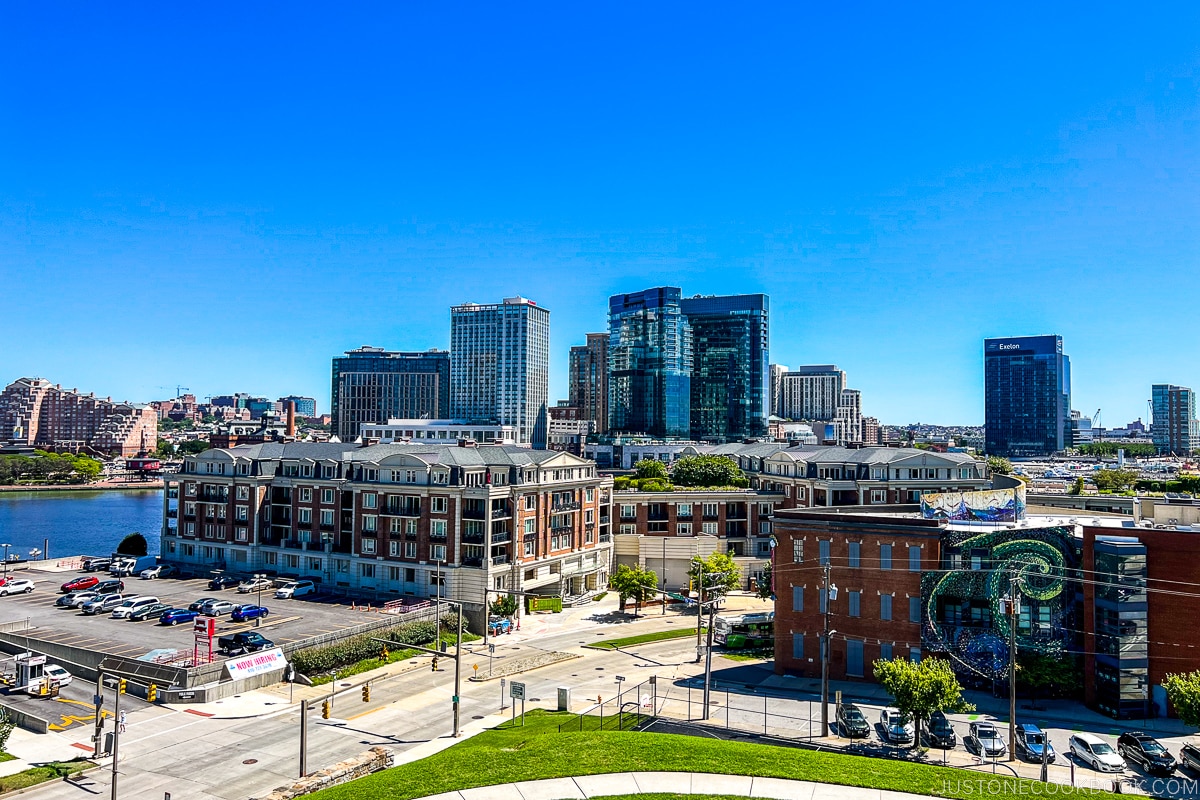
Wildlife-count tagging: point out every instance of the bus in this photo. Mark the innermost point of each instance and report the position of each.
(745, 630)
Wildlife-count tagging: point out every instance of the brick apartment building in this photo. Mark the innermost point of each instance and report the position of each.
(37, 413)
(395, 520)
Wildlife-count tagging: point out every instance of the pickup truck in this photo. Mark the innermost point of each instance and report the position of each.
(244, 642)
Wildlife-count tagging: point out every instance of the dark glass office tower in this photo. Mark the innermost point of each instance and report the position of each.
(730, 366)
(1120, 609)
(1027, 396)
(374, 385)
(650, 364)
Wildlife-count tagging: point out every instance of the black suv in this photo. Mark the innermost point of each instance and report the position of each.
(851, 722)
(108, 587)
(939, 732)
(1140, 748)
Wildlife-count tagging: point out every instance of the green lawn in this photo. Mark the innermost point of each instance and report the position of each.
(507, 754)
(629, 641)
(46, 772)
(6, 756)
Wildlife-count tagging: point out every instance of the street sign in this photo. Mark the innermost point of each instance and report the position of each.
(516, 690)
(620, 679)
(491, 648)
(456, 698)
(475, 667)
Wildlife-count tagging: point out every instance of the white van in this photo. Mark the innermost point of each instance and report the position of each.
(133, 604)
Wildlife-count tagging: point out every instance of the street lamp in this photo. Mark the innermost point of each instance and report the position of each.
(828, 593)
(258, 582)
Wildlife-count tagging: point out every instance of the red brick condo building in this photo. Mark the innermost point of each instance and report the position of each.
(395, 520)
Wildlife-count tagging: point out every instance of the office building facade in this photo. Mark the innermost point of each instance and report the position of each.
(500, 365)
(1174, 429)
(588, 380)
(650, 364)
(373, 385)
(1027, 396)
(305, 406)
(730, 382)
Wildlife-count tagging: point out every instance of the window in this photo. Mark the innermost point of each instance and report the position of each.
(241, 534)
(369, 500)
(820, 601)
(683, 510)
(885, 556)
(628, 512)
(410, 549)
(914, 609)
(628, 529)
(304, 515)
(327, 497)
(410, 527)
(764, 528)
(710, 510)
(683, 529)
(853, 603)
(306, 495)
(879, 495)
(530, 548)
(243, 493)
(437, 505)
(885, 651)
(327, 518)
(370, 524)
(855, 551)
(885, 606)
(437, 528)
(797, 550)
(437, 552)
(589, 517)
(590, 495)
(531, 502)
(366, 570)
(798, 646)
(914, 558)
(393, 548)
(710, 528)
(797, 598)
(823, 547)
(243, 513)
(854, 658)
(368, 547)
(914, 655)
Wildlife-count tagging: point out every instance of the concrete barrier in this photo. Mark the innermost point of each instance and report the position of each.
(26, 720)
(373, 760)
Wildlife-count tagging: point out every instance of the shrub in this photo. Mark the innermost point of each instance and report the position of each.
(317, 660)
(621, 482)
(132, 545)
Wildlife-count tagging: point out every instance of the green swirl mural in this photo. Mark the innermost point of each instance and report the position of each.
(963, 615)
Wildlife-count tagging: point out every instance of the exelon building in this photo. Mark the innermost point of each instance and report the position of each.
(1027, 396)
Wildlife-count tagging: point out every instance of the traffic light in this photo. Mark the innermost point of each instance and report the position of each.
(152, 693)
(121, 686)
(325, 710)
(435, 663)
(366, 692)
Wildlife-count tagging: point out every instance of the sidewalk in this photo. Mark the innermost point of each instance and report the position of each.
(32, 749)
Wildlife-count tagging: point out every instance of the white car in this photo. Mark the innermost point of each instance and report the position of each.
(896, 726)
(295, 589)
(1090, 749)
(131, 605)
(16, 587)
(56, 673)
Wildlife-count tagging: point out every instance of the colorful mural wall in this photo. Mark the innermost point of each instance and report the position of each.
(991, 505)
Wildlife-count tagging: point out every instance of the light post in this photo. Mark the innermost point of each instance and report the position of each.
(6, 546)
(258, 582)
(828, 593)
(1014, 610)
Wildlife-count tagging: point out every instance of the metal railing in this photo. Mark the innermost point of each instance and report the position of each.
(628, 710)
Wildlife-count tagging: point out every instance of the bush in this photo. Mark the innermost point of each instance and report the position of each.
(132, 545)
(621, 482)
(708, 471)
(317, 660)
(654, 485)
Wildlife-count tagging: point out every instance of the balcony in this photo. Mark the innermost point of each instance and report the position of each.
(172, 514)
(316, 547)
(474, 513)
(605, 537)
(501, 538)
(472, 538)
(403, 511)
(501, 511)
(498, 560)
(571, 505)
(558, 530)
(293, 544)
(437, 536)
(472, 562)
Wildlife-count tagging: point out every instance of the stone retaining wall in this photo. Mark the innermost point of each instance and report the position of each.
(373, 760)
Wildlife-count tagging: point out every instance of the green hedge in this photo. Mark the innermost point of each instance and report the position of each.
(321, 660)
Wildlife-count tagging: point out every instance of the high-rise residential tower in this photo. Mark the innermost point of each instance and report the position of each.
(1027, 396)
(500, 365)
(777, 373)
(588, 380)
(1175, 429)
(812, 392)
(650, 364)
(730, 386)
(373, 385)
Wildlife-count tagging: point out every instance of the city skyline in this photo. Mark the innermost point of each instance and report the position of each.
(1047, 182)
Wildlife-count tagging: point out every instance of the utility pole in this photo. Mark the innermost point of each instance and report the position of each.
(116, 739)
(487, 615)
(1014, 610)
(700, 603)
(712, 610)
(458, 669)
(825, 653)
(664, 577)
(98, 736)
(303, 738)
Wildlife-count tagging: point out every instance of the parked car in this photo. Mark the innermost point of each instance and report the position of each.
(255, 585)
(295, 589)
(897, 727)
(75, 599)
(222, 582)
(984, 740)
(104, 603)
(499, 625)
(17, 586)
(161, 571)
(244, 642)
(174, 616)
(199, 604)
(132, 565)
(851, 721)
(79, 584)
(1030, 741)
(217, 608)
(248, 612)
(1095, 752)
(111, 586)
(1142, 749)
(131, 605)
(152, 611)
(56, 673)
(96, 564)
(939, 732)
(1189, 758)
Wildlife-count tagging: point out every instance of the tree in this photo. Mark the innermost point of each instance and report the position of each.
(708, 471)
(505, 606)
(999, 466)
(650, 468)
(763, 587)
(1040, 675)
(193, 446)
(1115, 479)
(720, 571)
(165, 449)
(132, 545)
(633, 583)
(1183, 690)
(7, 724)
(1077, 486)
(919, 688)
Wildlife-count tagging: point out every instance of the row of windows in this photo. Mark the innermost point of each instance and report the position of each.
(854, 554)
(854, 604)
(855, 664)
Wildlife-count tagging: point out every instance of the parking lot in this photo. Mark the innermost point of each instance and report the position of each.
(288, 620)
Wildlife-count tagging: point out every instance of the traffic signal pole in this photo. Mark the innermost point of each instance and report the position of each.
(116, 741)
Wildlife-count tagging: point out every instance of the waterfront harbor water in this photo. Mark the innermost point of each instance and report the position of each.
(79, 522)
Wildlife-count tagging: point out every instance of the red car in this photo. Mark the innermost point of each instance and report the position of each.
(80, 584)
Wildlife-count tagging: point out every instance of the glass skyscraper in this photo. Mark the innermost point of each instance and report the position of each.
(730, 383)
(1175, 429)
(650, 364)
(374, 385)
(1027, 396)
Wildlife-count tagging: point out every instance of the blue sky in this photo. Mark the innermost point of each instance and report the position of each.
(227, 197)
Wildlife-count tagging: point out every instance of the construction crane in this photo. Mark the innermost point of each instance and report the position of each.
(1096, 420)
(179, 390)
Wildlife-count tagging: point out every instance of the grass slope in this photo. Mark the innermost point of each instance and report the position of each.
(43, 773)
(629, 641)
(537, 750)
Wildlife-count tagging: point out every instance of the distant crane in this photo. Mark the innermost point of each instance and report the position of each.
(179, 390)
(1096, 420)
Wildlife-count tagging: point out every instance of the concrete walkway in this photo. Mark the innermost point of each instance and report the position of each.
(620, 783)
